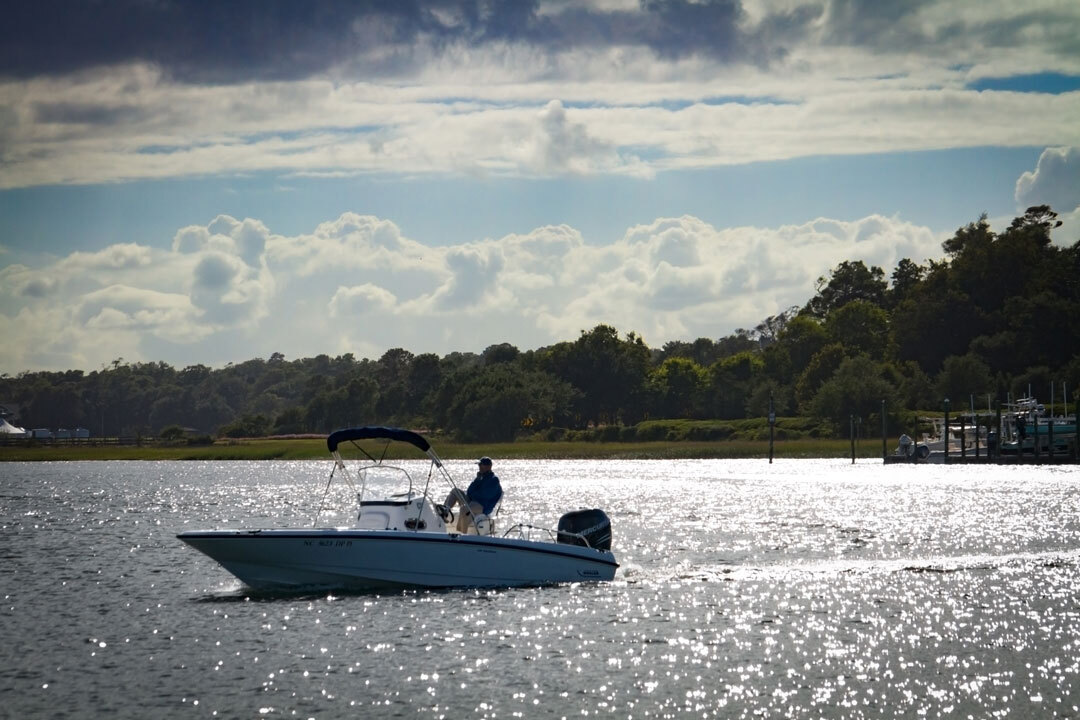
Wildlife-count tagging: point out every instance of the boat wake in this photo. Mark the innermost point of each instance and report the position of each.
(687, 572)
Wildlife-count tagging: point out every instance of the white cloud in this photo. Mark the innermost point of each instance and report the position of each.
(361, 300)
(474, 277)
(1055, 181)
(352, 242)
(500, 108)
(1069, 232)
(357, 284)
(87, 308)
(560, 145)
(168, 316)
(227, 291)
(114, 257)
(246, 239)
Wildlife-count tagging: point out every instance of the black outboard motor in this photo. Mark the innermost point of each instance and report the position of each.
(592, 526)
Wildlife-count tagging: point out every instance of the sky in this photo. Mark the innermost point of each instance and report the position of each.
(214, 182)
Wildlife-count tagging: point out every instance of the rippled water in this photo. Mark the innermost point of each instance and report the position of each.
(800, 589)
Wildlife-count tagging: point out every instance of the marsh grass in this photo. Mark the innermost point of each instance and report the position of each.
(313, 448)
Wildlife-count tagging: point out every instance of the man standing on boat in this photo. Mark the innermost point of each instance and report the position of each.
(481, 497)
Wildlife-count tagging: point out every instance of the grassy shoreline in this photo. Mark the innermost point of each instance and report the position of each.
(315, 449)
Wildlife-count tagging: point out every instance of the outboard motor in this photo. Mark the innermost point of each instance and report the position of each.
(593, 527)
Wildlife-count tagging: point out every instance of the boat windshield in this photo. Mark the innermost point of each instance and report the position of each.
(393, 480)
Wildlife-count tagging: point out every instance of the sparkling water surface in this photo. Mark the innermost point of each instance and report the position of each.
(800, 589)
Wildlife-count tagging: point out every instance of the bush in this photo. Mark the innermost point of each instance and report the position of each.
(172, 432)
(651, 431)
(554, 434)
(607, 433)
(247, 426)
(709, 433)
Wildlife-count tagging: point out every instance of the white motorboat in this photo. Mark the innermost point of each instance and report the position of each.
(409, 540)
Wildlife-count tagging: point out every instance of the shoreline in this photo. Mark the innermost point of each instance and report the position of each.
(315, 449)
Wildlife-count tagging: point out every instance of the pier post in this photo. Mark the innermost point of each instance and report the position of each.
(963, 439)
(851, 423)
(1050, 437)
(1035, 435)
(945, 431)
(772, 426)
(975, 423)
(884, 433)
(1000, 437)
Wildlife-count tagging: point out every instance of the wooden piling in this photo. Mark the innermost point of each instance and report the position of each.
(851, 423)
(884, 433)
(772, 426)
(997, 449)
(963, 439)
(945, 432)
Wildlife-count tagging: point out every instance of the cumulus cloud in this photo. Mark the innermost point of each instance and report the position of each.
(169, 316)
(357, 284)
(474, 275)
(246, 239)
(19, 280)
(116, 257)
(1055, 181)
(227, 291)
(361, 300)
(351, 242)
(723, 277)
(561, 146)
(126, 297)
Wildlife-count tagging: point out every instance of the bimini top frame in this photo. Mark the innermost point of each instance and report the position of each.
(334, 440)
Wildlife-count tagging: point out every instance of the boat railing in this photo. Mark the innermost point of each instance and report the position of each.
(525, 531)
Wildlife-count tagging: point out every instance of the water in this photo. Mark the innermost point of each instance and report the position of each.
(800, 589)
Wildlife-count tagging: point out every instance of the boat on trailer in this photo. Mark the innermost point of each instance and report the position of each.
(409, 539)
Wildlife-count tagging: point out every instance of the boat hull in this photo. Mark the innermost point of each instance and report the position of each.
(284, 560)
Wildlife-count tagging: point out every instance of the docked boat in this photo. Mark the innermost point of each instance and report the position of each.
(1028, 429)
(409, 539)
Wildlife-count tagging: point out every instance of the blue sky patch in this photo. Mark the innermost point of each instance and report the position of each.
(1048, 83)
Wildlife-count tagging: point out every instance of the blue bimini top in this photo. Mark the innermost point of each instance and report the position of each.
(372, 431)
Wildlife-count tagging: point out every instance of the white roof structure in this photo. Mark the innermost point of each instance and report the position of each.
(7, 428)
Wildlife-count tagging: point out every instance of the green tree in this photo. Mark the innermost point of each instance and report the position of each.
(855, 389)
(820, 368)
(501, 353)
(610, 373)
(172, 432)
(498, 401)
(850, 280)
(962, 376)
(730, 382)
(425, 376)
(290, 421)
(803, 337)
(931, 326)
(905, 278)
(679, 384)
(861, 327)
(757, 405)
(916, 389)
(247, 426)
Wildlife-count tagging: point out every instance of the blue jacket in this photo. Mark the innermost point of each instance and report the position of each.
(486, 490)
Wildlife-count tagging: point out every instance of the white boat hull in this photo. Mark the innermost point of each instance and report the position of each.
(349, 559)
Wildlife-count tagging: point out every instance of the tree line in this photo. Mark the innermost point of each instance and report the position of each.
(999, 313)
